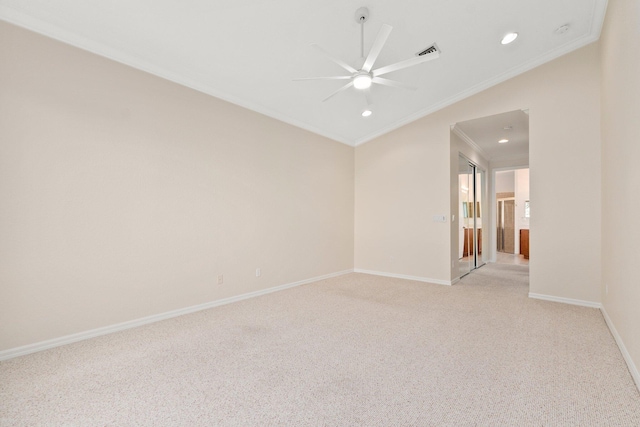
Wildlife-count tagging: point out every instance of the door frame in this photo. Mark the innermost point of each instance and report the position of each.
(493, 206)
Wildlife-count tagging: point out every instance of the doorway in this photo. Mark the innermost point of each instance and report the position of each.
(512, 215)
(506, 225)
(496, 143)
(471, 184)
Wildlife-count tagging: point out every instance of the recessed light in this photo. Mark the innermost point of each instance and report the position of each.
(503, 141)
(562, 29)
(362, 81)
(367, 113)
(509, 37)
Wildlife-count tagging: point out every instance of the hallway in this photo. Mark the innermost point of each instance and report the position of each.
(513, 259)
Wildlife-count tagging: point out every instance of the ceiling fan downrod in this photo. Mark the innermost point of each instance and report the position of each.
(362, 15)
(366, 75)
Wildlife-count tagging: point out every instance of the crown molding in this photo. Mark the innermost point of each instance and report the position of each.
(597, 20)
(46, 29)
(470, 142)
(21, 19)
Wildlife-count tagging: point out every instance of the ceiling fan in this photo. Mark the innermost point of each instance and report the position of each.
(363, 78)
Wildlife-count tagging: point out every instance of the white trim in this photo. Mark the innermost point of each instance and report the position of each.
(563, 300)
(456, 280)
(23, 20)
(516, 71)
(404, 276)
(633, 370)
(54, 32)
(68, 339)
(470, 142)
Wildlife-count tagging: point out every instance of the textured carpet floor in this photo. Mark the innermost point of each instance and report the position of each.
(349, 351)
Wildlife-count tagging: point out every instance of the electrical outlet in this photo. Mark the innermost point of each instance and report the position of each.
(258, 272)
(220, 279)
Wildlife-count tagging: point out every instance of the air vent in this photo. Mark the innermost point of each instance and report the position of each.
(431, 49)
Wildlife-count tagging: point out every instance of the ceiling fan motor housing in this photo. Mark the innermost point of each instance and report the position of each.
(362, 80)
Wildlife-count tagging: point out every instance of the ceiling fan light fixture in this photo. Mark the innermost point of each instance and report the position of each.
(362, 81)
(509, 38)
(367, 113)
(365, 76)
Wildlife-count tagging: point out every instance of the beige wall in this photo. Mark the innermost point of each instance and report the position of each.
(621, 171)
(400, 177)
(124, 195)
(401, 183)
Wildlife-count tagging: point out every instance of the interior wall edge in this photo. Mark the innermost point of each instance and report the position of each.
(633, 369)
(620, 107)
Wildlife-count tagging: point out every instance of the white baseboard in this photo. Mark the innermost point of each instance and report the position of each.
(403, 276)
(633, 369)
(563, 300)
(68, 339)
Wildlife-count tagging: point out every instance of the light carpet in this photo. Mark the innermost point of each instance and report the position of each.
(356, 350)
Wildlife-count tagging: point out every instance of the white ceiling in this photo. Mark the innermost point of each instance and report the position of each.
(248, 52)
(485, 132)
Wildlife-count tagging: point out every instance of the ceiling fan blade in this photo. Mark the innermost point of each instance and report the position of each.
(405, 64)
(367, 94)
(323, 78)
(340, 62)
(347, 86)
(393, 83)
(377, 47)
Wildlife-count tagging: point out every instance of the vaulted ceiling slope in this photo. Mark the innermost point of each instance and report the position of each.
(249, 52)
